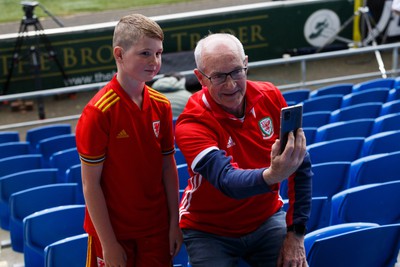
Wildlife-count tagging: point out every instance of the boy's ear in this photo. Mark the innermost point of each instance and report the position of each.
(118, 53)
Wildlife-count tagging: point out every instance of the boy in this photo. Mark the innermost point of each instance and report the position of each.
(125, 142)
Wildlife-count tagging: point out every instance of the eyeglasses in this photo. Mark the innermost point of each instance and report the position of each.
(220, 78)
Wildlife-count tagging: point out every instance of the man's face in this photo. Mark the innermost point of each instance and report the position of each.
(227, 90)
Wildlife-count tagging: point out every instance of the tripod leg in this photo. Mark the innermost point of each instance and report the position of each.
(38, 81)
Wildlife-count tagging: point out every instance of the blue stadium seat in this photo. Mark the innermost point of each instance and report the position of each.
(374, 83)
(316, 119)
(384, 142)
(330, 178)
(48, 226)
(345, 149)
(34, 135)
(366, 96)
(296, 96)
(20, 163)
(360, 111)
(354, 248)
(390, 122)
(343, 129)
(73, 175)
(47, 147)
(179, 158)
(12, 183)
(333, 230)
(376, 203)
(62, 160)
(183, 175)
(9, 136)
(26, 202)
(376, 168)
(390, 107)
(309, 133)
(11, 149)
(322, 103)
(394, 94)
(341, 89)
(68, 252)
(182, 258)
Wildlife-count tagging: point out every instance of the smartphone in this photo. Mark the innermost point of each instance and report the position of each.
(291, 120)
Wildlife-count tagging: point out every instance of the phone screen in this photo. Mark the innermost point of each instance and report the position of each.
(291, 120)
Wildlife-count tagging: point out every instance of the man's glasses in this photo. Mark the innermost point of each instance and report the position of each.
(220, 78)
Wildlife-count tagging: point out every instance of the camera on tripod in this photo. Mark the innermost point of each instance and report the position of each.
(28, 8)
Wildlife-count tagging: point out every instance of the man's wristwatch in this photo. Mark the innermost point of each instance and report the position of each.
(298, 229)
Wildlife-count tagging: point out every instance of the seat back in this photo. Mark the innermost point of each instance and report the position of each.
(9, 136)
(309, 133)
(354, 248)
(341, 89)
(67, 252)
(391, 107)
(48, 226)
(11, 149)
(385, 142)
(365, 96)
(316, 118)
(370, 110)
(343, 129)
(345, 149)
(62, 160)
(377, 203)
(374, 83)
(179, 158)
(34, 135)
(322, 103)
(390, 122)
(20, 163)
(183, 175)
(378, 168)
(19, 181)
(73, 175)
(296, 96)
(26, 202)
(47, 147)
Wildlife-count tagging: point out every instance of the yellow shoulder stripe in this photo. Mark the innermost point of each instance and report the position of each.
(107, 100)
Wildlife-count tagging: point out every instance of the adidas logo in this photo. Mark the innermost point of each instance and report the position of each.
(231, 143)
(122, 134)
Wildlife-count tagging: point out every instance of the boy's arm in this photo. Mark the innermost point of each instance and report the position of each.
(113, 253)
(170, 180)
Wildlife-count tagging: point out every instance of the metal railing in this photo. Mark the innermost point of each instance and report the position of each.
(302, 60)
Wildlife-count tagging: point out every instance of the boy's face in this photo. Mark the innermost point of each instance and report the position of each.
(142, 61)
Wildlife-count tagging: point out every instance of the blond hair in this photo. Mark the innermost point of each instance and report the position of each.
(132, 27)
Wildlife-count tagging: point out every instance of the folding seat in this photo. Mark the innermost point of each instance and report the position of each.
(366, 96)
(73, 175)
(309, 133)
(34, 135)
(179, 158)
(316, 119)
(12, 183)
(296, 96)
(360, 111)
(384, 142)
(390, 107)
(68, 252)
(376, 203)
(335, 89)
(62, 160)
(343, 129)
(20, 163)
(344, 149)
(354, 248)
(322, 103)
(26, 202)
(374, 83)
(10, 149)
(333, 230)
(330, 178)
(376, 168)
(183, 175)
(51, 145)
(182, 258)
(9, 136)
(47, 226)
(390, 122)
(394, 94)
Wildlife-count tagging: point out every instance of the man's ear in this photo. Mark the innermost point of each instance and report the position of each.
(118, 53)
(199, 76)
